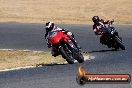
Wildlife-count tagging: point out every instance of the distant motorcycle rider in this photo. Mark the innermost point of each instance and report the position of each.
(97, 27)
(50, 26)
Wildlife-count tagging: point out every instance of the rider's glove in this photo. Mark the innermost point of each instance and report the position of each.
(112, 21)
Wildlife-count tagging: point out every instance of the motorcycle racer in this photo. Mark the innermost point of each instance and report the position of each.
(50, 26)
(97, 27)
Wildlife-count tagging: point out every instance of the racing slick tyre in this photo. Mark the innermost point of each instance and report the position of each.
(119, 42)
(80, 58)
(68, 58)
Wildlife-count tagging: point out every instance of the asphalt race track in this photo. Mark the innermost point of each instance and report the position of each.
(31, 36)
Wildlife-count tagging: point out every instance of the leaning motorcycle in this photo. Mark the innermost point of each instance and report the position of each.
(111, 38)
(64, 46)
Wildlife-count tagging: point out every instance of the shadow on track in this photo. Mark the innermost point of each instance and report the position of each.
(101, 51)
(53, 64)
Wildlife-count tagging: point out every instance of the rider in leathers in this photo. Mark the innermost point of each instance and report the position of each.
(97, 27)
(50, 26)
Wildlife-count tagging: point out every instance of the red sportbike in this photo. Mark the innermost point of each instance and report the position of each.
(62, 43)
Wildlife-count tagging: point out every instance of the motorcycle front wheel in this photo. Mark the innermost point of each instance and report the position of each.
(120, 43)
(65, 55)
(80, 58)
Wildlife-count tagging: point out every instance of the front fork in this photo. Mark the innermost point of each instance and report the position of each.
(73, 49)
(72, 38)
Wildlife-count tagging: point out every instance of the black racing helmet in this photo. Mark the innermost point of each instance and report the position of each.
(49, 26)
(95, 19)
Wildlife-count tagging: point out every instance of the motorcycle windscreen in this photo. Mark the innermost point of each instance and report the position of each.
(54, 37)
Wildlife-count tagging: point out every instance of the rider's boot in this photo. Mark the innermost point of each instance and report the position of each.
(54, 52)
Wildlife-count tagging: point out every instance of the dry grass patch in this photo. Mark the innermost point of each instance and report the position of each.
(17, 58)
(65, 11)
